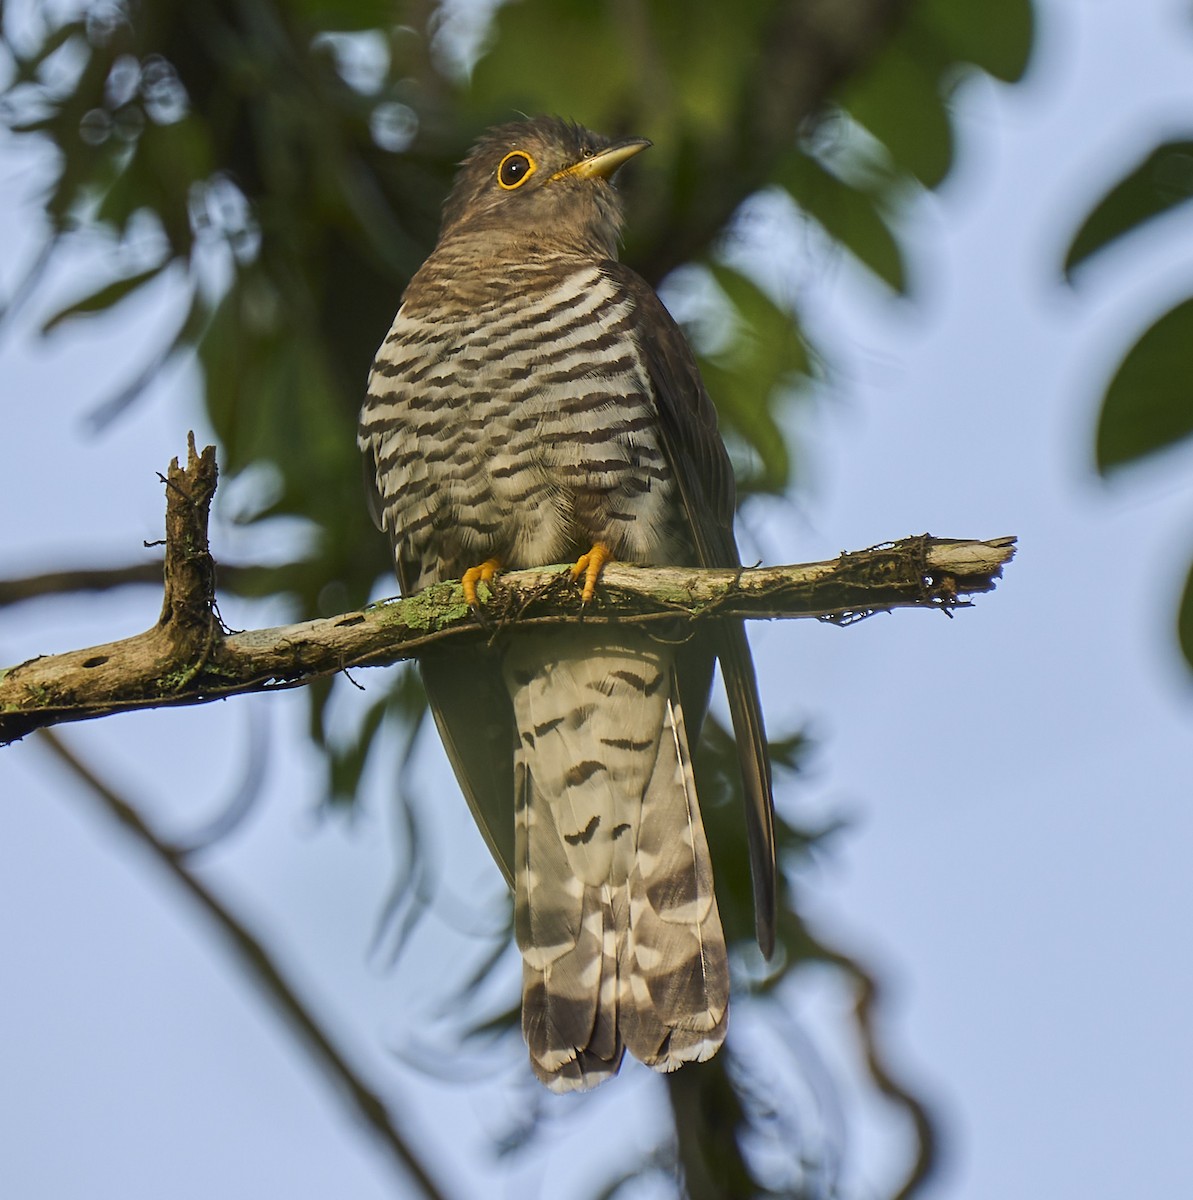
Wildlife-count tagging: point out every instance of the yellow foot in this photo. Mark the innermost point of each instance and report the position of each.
(485, 573)
(590, 565)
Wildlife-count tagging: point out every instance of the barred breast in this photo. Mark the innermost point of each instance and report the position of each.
(509, 415)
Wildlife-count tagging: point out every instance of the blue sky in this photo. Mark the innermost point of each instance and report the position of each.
(1019, 779)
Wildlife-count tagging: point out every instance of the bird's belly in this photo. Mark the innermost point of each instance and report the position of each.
(521, 441)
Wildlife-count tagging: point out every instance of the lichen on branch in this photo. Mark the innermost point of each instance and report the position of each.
(188, 657)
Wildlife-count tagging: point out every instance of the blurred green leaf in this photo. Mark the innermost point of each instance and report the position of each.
(848, 215)
(185, 337)
(995, 35)
(1184, 621)
(712, 1129)
(169, 160)
(271, 397)
(718, 778)
(1149, 403)
(1159, 182)
(899, 101)
(530, 68)
(346, 16)
(346, 762)
(766, 357)
(104, 298)
(674, 64)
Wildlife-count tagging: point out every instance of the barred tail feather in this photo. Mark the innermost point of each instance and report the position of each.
(615, 912)
(680, 972)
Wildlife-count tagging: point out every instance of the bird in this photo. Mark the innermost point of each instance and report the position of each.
(535, 403)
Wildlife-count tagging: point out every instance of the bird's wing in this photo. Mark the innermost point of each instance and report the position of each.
(704, 476)
(475, 718)
(470, 704)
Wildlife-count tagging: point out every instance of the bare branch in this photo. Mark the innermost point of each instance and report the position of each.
(189, 658)
(369, 1107)
(866, 1014)
(81, 579)
(240, 580)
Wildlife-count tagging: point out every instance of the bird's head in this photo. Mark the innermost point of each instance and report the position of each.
(546, 180)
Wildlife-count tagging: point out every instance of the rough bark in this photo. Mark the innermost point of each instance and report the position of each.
(188, 657)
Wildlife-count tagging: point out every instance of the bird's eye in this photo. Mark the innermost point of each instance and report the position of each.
(515, 169)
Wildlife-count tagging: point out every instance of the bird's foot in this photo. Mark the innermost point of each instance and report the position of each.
(590, 566)
(485, 573)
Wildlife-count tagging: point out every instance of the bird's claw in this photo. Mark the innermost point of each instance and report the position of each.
(485, 573)
(590, 566)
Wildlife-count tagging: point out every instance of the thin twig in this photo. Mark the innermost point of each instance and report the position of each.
(866, 1008)
(262, 969)
(238, 579)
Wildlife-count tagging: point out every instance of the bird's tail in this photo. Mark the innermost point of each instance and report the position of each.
(615, 912)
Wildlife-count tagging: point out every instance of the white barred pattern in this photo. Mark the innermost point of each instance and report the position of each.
(523, 427)
(615, 912)
(510, 415)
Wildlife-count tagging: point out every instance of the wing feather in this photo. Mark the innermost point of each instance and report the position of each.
(704, 476)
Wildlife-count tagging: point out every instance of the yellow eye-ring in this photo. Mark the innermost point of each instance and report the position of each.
(515, 169)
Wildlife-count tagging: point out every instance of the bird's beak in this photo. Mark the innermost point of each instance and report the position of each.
(602, 165)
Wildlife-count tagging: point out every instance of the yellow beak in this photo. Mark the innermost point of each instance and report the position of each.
(603, 164)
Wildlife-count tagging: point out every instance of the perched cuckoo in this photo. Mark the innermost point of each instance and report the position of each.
(535, 403)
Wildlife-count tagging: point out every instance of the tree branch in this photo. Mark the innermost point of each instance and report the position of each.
(188, 657)
(83, 579)
(365, 1103)
(866, 1013)
(251, 581)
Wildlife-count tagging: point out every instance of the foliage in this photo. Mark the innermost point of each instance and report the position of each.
(284, 162)
(1148, 405)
